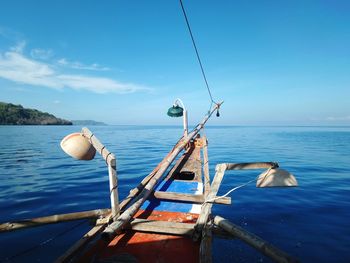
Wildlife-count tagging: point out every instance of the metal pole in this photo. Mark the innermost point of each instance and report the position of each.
(113, 188)
(185, 123)
(185, 119)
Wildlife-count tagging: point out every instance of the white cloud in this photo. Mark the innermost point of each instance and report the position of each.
(17, 67)
(97, 84)
(56, 101)
(38, 53)
(78, 65)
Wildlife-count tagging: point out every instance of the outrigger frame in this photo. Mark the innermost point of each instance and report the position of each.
(110, 223)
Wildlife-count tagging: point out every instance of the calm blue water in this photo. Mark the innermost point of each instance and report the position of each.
(311, 222)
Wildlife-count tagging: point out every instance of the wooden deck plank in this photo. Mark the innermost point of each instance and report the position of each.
(182, 197)
(189, 162)
(194, 164)
(165, 227)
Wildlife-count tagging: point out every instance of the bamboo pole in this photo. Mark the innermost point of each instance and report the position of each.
(39, 221)
(125, 217)
(112, 170)
(254, 241)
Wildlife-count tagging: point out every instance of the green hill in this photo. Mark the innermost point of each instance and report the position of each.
(11, 114)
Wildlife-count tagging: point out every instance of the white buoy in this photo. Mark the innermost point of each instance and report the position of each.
(276, 178)
(78, 146)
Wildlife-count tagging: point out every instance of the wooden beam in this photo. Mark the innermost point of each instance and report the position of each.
(206, 167)
(250, 166)
(206, 208)
(182, 197)
(164, 227)
(254, 241)
(39, 221)
(205, 252)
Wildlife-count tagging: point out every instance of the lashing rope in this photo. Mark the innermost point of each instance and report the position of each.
(237, 187)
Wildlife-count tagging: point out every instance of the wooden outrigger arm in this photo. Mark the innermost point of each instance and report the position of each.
(112, 170)
(204, 223)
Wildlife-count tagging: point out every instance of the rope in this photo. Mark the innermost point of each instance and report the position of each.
(197, 53)
(237, 187)
(28, 250)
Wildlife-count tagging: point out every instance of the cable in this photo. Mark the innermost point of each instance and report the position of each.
(197, 53)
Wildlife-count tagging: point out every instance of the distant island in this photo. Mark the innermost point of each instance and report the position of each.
(88, 122)
(11, 114)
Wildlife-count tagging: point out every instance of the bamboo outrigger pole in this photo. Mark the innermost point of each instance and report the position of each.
(39, 221)
(125, 217)
(256, 242)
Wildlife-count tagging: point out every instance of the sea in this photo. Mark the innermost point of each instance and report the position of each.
(311, 222)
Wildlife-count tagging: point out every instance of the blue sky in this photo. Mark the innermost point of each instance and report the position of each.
(124, 62)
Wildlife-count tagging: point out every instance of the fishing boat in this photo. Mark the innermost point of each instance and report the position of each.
(168, 216)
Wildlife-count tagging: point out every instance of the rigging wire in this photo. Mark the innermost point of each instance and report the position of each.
(197, 53)
(239, 186)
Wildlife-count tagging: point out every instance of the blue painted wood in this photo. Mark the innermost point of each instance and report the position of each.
(186, 187)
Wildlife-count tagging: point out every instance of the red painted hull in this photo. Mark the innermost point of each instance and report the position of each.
(150, 247)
